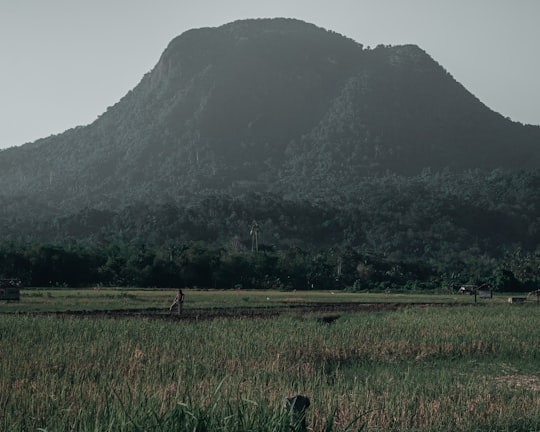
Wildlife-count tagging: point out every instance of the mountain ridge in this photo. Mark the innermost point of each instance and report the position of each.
(268, 105)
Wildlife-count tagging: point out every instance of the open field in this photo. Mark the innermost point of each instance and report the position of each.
(459, 368)
(158, 300)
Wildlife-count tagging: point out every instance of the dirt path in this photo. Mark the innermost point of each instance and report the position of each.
(322, 310)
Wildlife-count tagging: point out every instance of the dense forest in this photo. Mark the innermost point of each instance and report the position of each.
(435, 230)
(360, 169)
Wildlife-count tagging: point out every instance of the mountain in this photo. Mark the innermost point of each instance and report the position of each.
(274, 105)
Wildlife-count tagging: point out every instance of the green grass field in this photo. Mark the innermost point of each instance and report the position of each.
(53, 300)
(459, 368)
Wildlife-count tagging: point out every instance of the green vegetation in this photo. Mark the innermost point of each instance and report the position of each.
(118, 299)
(422, 369)
(265, 105)
(374, 161)
(433, 232)
(365, 170)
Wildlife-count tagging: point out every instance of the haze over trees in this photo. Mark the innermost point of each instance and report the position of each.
(376, 159)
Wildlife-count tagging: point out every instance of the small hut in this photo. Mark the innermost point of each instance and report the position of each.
(10, 289)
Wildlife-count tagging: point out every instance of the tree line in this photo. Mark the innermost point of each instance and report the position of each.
(437, 229)
(205, 266)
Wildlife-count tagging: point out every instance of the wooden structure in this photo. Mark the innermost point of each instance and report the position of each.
(10, 289)
(483, 291)
(467, 289)
(536, 294)
(516, 299)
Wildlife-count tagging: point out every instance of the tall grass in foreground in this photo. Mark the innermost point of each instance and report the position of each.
(433, 369)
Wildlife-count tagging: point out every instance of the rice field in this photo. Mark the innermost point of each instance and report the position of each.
(106, 299)
(460, 368)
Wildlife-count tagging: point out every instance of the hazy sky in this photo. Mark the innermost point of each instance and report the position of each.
(65, 61)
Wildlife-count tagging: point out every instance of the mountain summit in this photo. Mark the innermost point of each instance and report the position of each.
(274, 104)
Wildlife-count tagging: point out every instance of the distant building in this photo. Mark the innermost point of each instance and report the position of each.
(10, 289)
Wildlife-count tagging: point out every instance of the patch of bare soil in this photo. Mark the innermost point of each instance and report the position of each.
(195, 314)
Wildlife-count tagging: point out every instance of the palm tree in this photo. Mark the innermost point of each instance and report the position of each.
(254, 233)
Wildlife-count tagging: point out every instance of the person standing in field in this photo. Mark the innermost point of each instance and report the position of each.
(178, 302)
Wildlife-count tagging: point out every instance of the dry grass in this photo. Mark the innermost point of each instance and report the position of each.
(421, 369)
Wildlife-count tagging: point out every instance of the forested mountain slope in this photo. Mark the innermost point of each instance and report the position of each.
(277, 106)
(375, 161)
(435, 230)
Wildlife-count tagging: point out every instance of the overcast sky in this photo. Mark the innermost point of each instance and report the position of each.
(65, 61)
